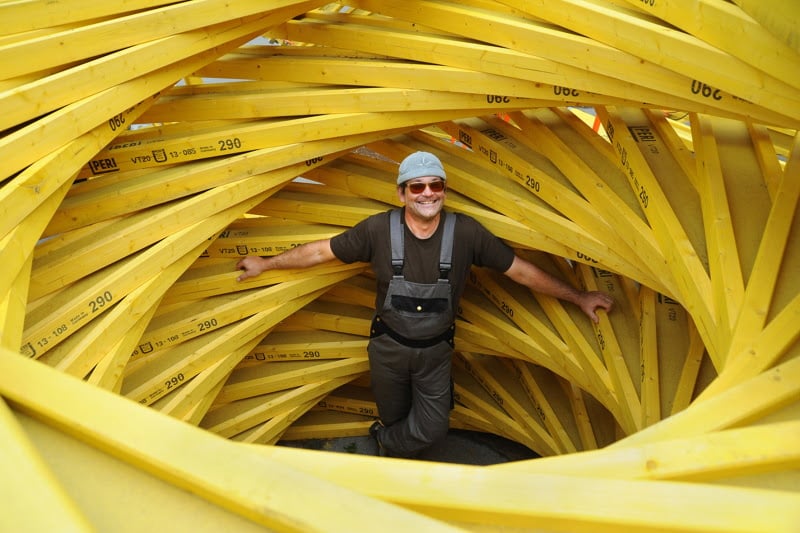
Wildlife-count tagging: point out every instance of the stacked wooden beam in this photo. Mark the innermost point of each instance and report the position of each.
(647, 149)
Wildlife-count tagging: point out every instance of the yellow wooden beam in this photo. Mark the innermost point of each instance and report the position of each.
(225, 474)
(501, 498)
(30, 486)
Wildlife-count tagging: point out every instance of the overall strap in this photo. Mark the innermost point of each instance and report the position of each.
(398, 245)
(446, 251)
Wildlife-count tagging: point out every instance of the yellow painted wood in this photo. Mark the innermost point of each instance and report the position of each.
(650, 376)
(506, 390)
(81, 302)
(324, 424)
(768, 160)
(673, 50)
(498, 160)
(534, 381)
(239, 416)
(252, 100)
(90, 40)
(247, 382)
(705, 458)
(100, 199)
(351, 399)
(81, 113)
(776, 238)
(613, 334)
(684, 392)
(306, 345)
(581, 414)
(721, 25)
(270, 431)
(740, 405)
(186, 402)
(566, 502)
(598, 191)
(723, 259)
(29, 486)
(690, 275)
(470, 393)
(778, 16)
(222, 473)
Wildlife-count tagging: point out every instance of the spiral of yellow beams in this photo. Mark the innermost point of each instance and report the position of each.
(644, 147)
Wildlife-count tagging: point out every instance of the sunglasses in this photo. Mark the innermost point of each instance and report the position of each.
(418, 187)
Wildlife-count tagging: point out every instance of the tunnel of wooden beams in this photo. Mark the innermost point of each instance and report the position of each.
(647, 148)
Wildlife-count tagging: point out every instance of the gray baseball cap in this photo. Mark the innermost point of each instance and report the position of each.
(418, 165)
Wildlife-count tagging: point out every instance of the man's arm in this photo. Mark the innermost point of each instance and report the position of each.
(536, 279)
(303, 256)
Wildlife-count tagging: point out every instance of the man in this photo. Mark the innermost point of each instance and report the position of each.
(421, 256)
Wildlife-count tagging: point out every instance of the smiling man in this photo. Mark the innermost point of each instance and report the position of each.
(421, 256)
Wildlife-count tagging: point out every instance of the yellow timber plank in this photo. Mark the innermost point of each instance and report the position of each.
(252, 101)
(351, 398)
(779, 17)
(209, 314)
(570, 49)
(723, 256)
(506, 390)
(676, 51)
(187, 401)
(92, 296)
(104, 198)
(324, 424)
(690, 275)
(617, 339)
(471, 394)
(33, 141)
(47, 176)
(721, 24)
(239, 242)
(32, 15)
(519, 307)
(444, 50)
(581, 415)
(508, 335)
(707, 458)
(767, 157)
(12, 308)
(775, 242)
(223, 473)
(248, 382)
(650, 375)
(235, 139)
(555, 415)
(598, 190)
(271, 431)
(498, 160)
(29, 484)
(502, 498)
(173, 53)
(239, 416)
(746, 403)
(687, 382)
(306, 345)
(95, 39)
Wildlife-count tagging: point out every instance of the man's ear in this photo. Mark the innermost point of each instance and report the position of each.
(401, 194)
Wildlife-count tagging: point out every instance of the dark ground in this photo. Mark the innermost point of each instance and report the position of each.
(460, 446)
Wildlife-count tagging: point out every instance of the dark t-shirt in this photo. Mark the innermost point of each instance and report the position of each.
(369, 241)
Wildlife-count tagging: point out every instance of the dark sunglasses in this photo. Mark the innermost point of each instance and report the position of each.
(418, 187)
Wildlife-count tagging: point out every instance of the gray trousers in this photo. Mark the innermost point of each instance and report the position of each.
(412, 391)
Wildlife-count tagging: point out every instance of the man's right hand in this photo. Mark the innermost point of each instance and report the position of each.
(251, 266)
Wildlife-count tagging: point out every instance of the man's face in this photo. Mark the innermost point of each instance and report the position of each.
(426, 203)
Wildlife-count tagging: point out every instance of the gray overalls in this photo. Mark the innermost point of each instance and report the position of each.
(410, 351)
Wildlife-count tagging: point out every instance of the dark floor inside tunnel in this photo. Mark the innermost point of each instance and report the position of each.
(459, 446)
